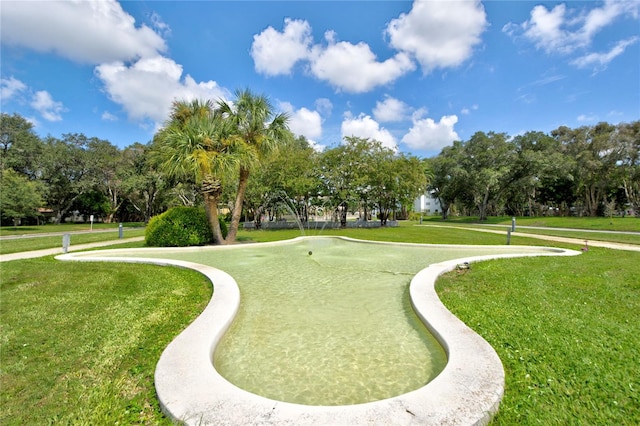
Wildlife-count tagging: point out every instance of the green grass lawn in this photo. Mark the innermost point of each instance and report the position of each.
(79, 341)
(64, 227)
(46, 242)
(593, 223)
(406, 232)
(566, 330)
(624, 237)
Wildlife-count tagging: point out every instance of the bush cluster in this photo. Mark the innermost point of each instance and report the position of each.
(179, 227)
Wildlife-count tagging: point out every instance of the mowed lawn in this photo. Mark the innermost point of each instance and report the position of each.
(79, 341)
(567, 332)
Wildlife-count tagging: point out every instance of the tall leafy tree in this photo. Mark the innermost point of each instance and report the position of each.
(596, 159)
(255, 130)
(377, 181)
(411, 181)
(447, 183)
(20, 148)
(539, 175)
(19, 197)
(487, 162)
(395, 181)
(289, 172)
(629, 166)
(145, 185)
(344, 174)
(110, 170)
(68, 171)
(196, 143)
(362, 172)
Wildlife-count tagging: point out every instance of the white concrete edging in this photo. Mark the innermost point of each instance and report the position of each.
(467, 392)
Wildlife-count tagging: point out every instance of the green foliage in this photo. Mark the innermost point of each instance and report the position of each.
(573, 171)
(365, 175)
(20, 147)
(416, 216)
(19, 197)
(179, 227)
(288, 172)
(591, 170)
(196, 144)
(147, 189)
(257, 130)
(487, 165)
(92, 203)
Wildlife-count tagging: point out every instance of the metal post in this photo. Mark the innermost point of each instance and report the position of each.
(513, 224)
(120, 231)
(66, 242)
(508, 236)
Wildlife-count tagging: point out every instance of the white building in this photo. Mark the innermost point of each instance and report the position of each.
(427, 205)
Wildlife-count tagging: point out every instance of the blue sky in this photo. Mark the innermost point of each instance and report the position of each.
(414, 75)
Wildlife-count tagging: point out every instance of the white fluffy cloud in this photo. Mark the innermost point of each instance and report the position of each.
(324, 106)
(587, 118)
(107, 116)
(41, 101)
(91, 32)
(147, 88)
(440, 34)
(426, 134)
(563, 30)
(354, 67)
(276, 52)
(303, 121)
(390, 109)
(364, 126)
(348, 67)
(600, 60)
(49, 109)
(10, 87)
(128, 58)
(467, 111)
(545, 29)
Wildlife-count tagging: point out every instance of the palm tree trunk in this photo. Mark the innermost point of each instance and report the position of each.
(211, 190)
(211, 206)
(237, 209)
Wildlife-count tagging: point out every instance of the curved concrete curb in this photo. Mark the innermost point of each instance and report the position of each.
(467, 392)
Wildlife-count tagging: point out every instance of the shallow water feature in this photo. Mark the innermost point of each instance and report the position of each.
(326, 321)
(468, 390)
(334, 327)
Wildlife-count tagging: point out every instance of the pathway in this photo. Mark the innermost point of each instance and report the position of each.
(59, 250)
(578, 241)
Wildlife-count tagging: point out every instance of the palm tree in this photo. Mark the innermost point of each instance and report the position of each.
(256, 130)
(198, 143)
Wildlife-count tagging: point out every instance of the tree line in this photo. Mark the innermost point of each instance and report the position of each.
(588, 171)
(240, 161)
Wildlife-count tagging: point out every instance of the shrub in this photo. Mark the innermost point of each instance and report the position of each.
(415, 216)
(179, 227)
